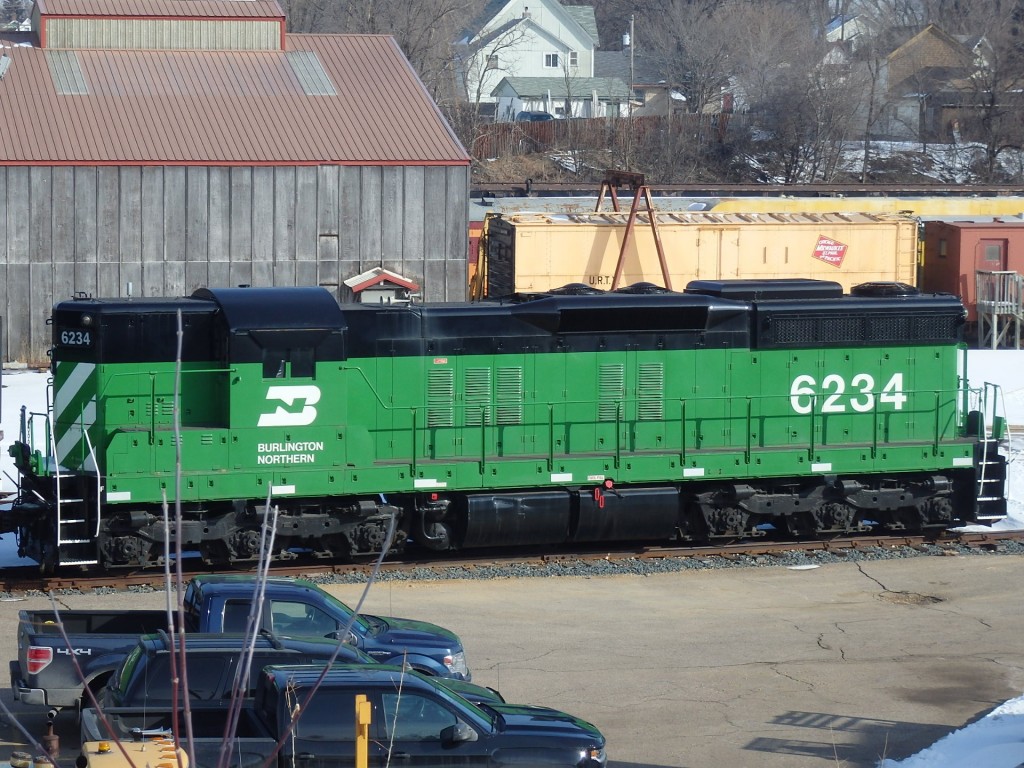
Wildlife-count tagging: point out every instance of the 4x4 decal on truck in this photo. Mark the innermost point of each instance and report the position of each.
(282, 417)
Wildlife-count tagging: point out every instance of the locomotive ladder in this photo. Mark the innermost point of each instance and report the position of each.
(75, 537)
(991, 491)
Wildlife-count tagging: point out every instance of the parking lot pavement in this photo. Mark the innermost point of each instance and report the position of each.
(763, 667)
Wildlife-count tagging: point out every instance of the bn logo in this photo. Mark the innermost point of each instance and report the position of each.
(307, 396)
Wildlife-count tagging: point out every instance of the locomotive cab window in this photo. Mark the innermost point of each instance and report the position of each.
(288, 353)
(288, 364)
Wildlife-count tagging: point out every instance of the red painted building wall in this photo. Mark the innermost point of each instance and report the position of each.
(955, 251)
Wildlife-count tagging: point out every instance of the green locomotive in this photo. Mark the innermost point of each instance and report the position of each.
(567, 417)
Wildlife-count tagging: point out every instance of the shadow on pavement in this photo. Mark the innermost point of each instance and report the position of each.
(850, 741)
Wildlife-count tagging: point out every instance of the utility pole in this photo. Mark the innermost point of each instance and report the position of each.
(629, 95)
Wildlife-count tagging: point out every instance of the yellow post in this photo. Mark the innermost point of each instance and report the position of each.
(362, 731)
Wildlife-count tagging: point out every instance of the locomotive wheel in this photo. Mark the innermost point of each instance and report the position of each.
(728, 521)
(125, 550)
(936, 511)
(836, 517)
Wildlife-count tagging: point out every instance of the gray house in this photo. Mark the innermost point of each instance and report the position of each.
(583, 97)
(152, 147)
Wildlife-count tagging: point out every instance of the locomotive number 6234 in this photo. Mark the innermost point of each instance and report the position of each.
(75, 338)
(837, 396)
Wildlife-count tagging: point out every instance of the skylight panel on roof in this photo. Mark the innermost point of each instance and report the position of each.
(66, 72)
(310, 73)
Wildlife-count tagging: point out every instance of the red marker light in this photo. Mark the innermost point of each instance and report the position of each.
(39, 658)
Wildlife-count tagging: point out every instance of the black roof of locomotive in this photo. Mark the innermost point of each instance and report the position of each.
(133, 329)
(280, 323)
(246, 309)
(130, 305)
(800, 288)
(566, 322)
(793, 313)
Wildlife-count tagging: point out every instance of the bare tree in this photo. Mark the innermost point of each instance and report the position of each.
(305, 16)
(480, 61)
(875, 35)
(14, 10)
(424, 30)
(691, 42)
(992, 105)
(802, 99)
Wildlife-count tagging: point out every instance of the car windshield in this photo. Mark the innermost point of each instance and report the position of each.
(124, 672)
(361, 625)
(480, 713)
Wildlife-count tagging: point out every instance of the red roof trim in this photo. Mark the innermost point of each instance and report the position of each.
(385, 279)
(225, 163)
(276, 19)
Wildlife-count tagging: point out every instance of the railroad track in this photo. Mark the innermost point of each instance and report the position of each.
(19, 581)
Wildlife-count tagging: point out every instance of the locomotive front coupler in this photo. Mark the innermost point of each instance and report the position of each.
(432, 507)
(939, 484)
(428, 528)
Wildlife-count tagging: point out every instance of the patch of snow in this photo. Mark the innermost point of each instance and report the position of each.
(992, 742)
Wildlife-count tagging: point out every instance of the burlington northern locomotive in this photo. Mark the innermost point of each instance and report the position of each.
(571, 416)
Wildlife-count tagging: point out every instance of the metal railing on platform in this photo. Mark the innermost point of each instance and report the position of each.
(1000, 307)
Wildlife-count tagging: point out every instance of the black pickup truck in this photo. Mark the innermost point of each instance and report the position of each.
(143, 681)
(415, 720)
(44, 674)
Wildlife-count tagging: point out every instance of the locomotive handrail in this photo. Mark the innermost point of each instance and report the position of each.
(621, 423)
(682, 433)
(369, 385)
(935, 408)
(551, 437)
(618, 434)
(99, 486)
(874, 430)
(102, 392)
(414, 443)
(56, 464)
(814, 410)
(750, 429)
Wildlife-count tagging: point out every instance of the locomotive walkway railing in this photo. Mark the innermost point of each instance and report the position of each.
(1000, 306)
(743, 425)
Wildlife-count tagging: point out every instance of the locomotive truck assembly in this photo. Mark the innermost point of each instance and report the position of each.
(571, 416)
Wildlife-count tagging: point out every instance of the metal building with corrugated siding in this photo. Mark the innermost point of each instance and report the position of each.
(535, 252)
(152, 147)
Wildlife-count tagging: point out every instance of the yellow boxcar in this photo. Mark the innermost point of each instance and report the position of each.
(536, 252)
(922, 207)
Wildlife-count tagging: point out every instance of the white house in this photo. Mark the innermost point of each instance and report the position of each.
(526, 39)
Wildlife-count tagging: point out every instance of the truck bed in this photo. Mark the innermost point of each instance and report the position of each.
(127, 622)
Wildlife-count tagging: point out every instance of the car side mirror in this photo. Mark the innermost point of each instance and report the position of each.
(350, 638)
(458, 733)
